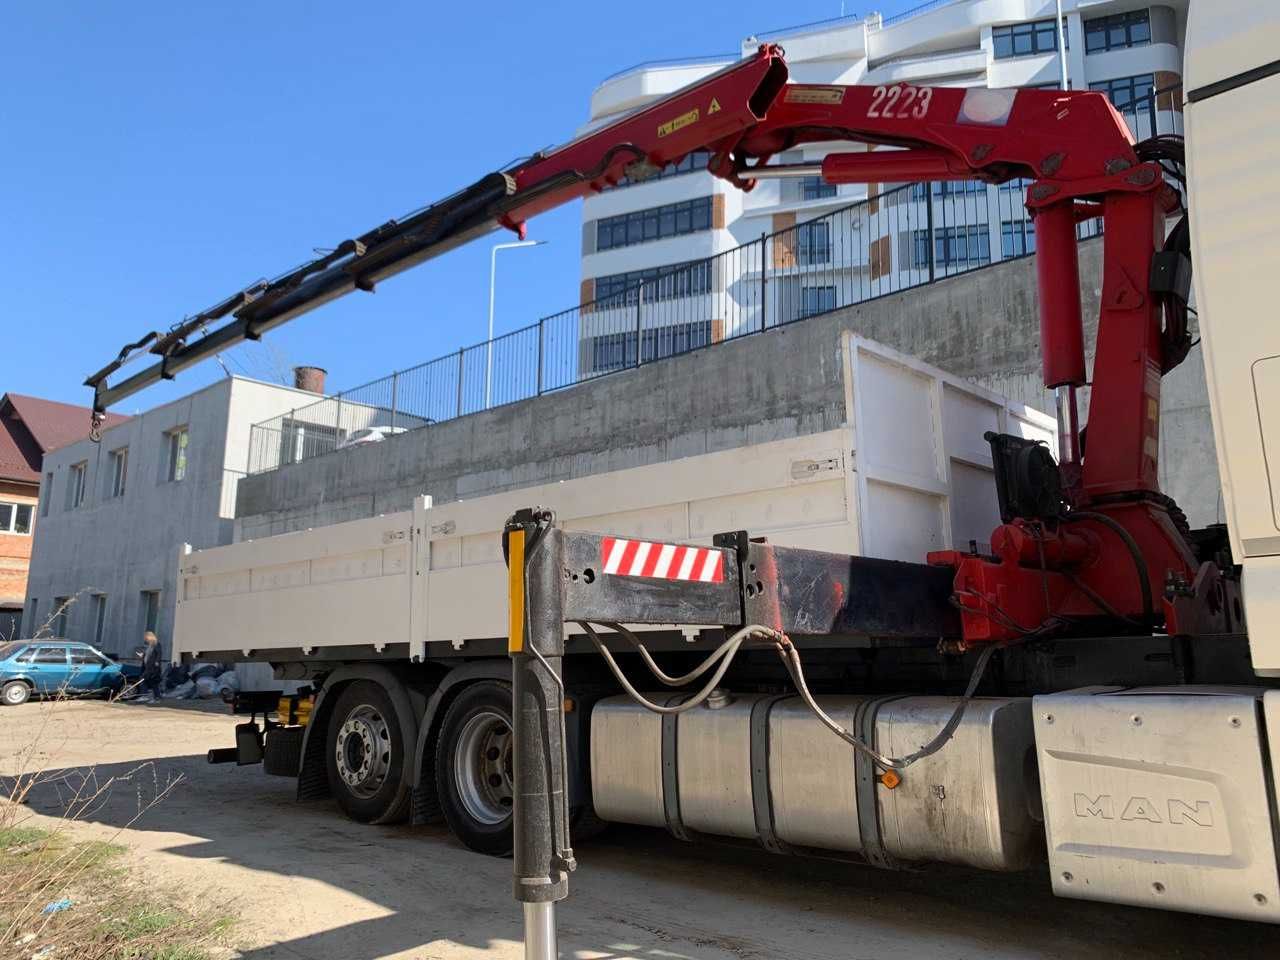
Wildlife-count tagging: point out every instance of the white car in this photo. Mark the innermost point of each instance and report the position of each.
(369, 435)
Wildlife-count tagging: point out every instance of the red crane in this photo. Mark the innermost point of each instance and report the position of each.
(1089, 544)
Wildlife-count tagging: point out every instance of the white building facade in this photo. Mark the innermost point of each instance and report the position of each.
(114, 515)
(686, 259)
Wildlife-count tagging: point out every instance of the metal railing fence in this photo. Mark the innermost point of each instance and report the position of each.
(898, 238)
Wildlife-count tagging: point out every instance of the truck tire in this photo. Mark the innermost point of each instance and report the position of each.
(366, 755)
(15, 693)
(473, 767)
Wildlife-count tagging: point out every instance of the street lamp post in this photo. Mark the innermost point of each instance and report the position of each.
(493, 273)
(1062, 46)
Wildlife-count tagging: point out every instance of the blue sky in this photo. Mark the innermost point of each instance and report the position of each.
(155, 157)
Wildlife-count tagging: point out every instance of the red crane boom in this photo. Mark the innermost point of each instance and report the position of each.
(1090, 541)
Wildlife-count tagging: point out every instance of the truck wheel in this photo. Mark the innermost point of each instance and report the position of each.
(366, 755)
(473, 767)
(15, 693)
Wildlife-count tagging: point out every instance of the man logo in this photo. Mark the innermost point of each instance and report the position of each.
(1176, 812)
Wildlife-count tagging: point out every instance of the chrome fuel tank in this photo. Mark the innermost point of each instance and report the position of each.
(763, 767)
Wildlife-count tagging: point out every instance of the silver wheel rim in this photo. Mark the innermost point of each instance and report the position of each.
(15, 694)
(482, 767)
(363, 751)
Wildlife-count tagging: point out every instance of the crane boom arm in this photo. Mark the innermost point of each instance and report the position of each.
(744, 113)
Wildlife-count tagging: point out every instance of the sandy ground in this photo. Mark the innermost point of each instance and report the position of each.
(307, 883)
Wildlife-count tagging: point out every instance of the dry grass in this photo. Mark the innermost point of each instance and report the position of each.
(114, 914)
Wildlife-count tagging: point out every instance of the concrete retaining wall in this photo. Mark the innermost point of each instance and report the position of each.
(782, 383)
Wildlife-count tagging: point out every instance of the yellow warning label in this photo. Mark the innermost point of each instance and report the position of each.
(714, 108)
(679, 123)
(814, 95)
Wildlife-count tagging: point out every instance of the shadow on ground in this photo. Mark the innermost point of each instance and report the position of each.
(638, 892)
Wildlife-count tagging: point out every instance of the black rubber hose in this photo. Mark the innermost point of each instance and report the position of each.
(1139, 564)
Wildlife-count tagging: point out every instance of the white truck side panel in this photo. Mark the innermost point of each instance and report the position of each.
(1232, 142)
(909, 473)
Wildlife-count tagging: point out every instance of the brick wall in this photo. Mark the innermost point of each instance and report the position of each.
(15, 549)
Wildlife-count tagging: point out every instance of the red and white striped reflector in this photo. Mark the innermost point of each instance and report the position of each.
(665, 561)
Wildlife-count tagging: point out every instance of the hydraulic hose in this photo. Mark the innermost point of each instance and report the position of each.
(1135, 553)
(724, 655)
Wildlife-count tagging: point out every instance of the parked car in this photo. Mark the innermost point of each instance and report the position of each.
(370, 435)
(50, 667)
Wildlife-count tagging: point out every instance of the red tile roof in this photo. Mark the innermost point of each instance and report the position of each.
(31, 427)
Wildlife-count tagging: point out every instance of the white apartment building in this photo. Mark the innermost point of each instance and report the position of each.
(115, 514)
(828, 255)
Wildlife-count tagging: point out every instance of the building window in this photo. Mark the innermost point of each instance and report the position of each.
(1116, 32)
(1017, 237)
(660, 283)
(617, 351)
(1024, 39)
(75, 484)
(1125, 92)
(119, 470)
(962, 246)
(816, 300)
(46, 494)
(690, 163)
(813, 243)
(947, 188)
(99, 617)
(815, 188)
(919, 249)
(150, 610)
(176, 453)
(15, 518)
(656, 223)
(60, 607)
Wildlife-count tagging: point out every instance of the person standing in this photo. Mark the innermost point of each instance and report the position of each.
(151, 668)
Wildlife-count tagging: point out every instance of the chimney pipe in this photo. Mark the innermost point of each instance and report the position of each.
(310, 379)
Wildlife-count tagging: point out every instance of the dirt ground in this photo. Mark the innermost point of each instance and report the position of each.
(308, 883)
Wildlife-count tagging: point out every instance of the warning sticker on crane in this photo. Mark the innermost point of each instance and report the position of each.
(801, 94)
(663, 561)
(679, 123)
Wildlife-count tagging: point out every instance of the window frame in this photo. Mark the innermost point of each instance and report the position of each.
(59, 616)
(1017, 238)
(809, 252)
(1125, 22)
(150, 612)
(1032, 31)
(16, 508)
(119, 478)
(99, 617)
(947, 245)
(77, 484)
(691, 278)
(814, 300)
(177, 463)
(1131, 86)
(654, 223)
(815, 188)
